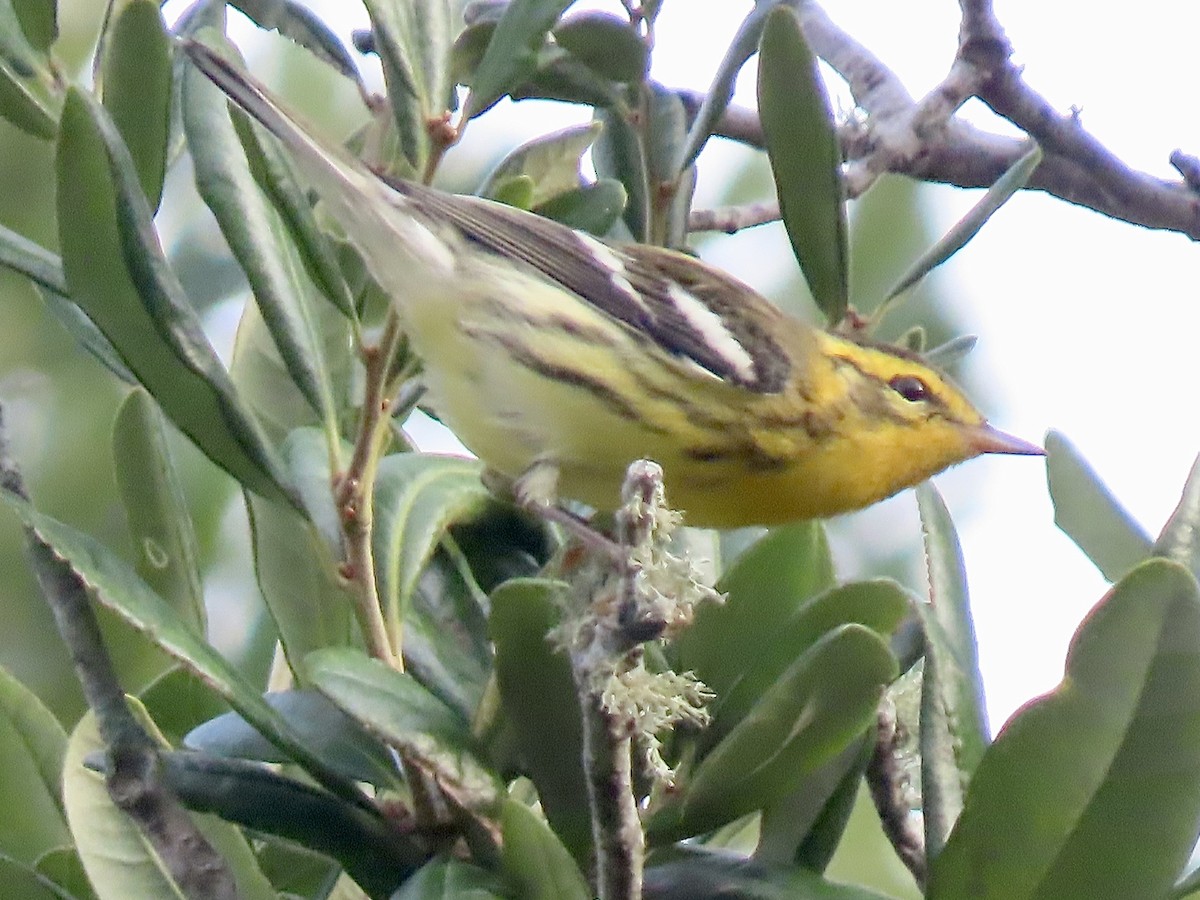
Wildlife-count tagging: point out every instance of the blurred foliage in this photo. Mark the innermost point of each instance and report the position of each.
(315, 763)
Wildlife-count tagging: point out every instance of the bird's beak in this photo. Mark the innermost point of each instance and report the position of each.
(986, 439)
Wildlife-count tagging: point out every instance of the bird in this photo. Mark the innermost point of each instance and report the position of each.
(559, 358)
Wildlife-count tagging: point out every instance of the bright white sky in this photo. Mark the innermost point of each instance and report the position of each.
(1085, 325)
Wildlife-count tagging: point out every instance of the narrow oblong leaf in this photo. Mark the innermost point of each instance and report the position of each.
(117, 273)
(954, 730)
(22, 107)
(608, 45)
(593, 208)
(1086, 510)
(451, 879)
(32, 260)
(1015, 178)
(618, 154)
(137, 86)
(813, 712)
(806, 159)
(1093, 785)
(396, 708)
(1180, 537)
(258, 238)
(764, 586)
(39, 22)
(375, 853)
(512, 53)
(160, 523)
(538, 695)
(302, 26)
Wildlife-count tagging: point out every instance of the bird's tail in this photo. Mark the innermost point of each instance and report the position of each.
(401, 251)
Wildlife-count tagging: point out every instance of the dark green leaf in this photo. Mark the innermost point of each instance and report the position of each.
(137, 89)
(806, 159)
(512, 54)
(1088, 512)
(372, 850)
(65, 869)
(766, 585)
(954, 730)
(1093, 786)
(538, 694)
(39, 22)
(824, 700)
(116, 271)
(968, 226)
(396, 708)
(325, 729)
(606, 44)
(593, 208)
(535, 860)
(22, 107)
(618, 154)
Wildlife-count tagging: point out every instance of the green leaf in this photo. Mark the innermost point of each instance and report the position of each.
(376, 853)
(396, 708)
(1180, 537)
(550, 161)
(671, 189)
(512, 54)
(417, 497)
(117, 586)
(327, 730)
(160, 523)
(450, 879)
(303, 27)
(39, 22)
(32, 260)
(65, 869)
(24, 880)
(698, 874)
(814, 710)
(880, 605)
(1093, 786)
(608, 45)
(259, 239)
(32, 745)
(618, 155)
(534, 858)
(297, 576)
(22, 107)
(137, 86)
(413, 42)
(1088, 512)
(593, 208)
(954, 730)
(1015, 178)
(766, 585)
(538, 695)
(117, 273)
(118, 858)
(805, 158)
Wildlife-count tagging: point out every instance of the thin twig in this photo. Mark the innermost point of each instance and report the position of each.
(134, 771)
(889, 787)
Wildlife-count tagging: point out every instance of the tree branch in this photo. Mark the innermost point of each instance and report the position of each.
(925, 139)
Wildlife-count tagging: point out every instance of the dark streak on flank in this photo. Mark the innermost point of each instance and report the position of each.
(750, 455)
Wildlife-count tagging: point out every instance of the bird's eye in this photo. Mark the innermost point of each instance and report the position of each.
(909, 387)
